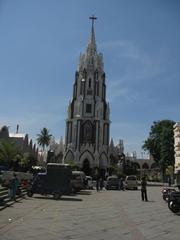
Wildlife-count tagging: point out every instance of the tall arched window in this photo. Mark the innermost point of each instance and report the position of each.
(89, 83)
(87, 132)
(97, 88)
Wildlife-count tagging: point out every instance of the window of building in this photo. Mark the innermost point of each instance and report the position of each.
(88, 108)
(97, 88)
(89, 92)
(90, 83)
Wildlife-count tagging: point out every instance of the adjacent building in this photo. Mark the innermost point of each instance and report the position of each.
(21, 140)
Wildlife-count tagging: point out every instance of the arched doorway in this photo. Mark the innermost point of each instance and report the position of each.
(86, 167)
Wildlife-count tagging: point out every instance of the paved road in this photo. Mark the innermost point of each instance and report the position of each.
(90, 215)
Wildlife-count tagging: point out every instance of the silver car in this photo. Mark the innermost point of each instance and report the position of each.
(131, 182)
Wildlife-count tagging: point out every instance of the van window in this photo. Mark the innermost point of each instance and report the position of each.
(77, 177)
(131, 178)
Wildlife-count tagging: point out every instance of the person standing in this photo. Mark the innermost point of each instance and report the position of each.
(14, 184)
(144, 189)
(97, 184)
(121, 184)
(169, 181)
(101, 184)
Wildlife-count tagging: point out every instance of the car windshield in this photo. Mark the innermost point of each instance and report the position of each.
(131, 178)
(89, 178)
(113, 179)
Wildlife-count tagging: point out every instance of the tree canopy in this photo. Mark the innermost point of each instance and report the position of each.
(160, 143)
(8, 152)
(44, 138)
(13, 158)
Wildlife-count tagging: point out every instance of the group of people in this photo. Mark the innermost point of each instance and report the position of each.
(14, 185)
(100, 185)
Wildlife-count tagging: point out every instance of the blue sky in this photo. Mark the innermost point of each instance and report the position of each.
(40, 44)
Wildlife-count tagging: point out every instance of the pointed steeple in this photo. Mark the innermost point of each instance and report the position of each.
(91, 48)
(111, 145)
(91, 59)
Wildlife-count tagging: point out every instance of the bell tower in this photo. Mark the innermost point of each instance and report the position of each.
(87, 124)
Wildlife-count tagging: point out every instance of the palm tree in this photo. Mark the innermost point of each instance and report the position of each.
(44, 138)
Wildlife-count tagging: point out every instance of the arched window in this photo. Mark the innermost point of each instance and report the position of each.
(89, 83)
(84, 73)
(137, 165)
(154, 165)
(87, 132)
(97, 88)
(96, 75)
(145, 166)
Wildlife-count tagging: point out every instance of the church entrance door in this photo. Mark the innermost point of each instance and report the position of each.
(86, 167)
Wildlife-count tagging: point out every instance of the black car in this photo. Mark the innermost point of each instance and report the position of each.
(112, 183)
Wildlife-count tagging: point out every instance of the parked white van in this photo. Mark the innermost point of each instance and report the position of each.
(131, 182)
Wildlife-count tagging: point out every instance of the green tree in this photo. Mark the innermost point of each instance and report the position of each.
(8, 152)
(160, 144)
(44, 138)
(72, 164)
(26, 161)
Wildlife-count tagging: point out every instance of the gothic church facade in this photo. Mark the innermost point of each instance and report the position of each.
(88, 124)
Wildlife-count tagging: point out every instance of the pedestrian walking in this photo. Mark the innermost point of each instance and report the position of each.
(97, 184)
(169, 181)
(144, 189)
(101, 184)
(14, 184)
(121, 184)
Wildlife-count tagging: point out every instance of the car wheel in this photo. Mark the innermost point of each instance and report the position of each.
(164, 198)
(173, 207)
(29, 193)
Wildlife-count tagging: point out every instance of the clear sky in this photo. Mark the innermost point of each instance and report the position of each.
(40, 44)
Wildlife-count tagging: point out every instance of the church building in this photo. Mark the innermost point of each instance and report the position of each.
(88, 124)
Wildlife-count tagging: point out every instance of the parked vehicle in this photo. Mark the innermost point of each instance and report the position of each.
(56, 181)
(3, 168)
(89, 182)
(174, 201)
(131, 182)
(38, 169)
(78, 181)
(112, 183)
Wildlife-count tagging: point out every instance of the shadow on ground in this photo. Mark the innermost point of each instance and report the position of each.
(84, 192)
(66, 198)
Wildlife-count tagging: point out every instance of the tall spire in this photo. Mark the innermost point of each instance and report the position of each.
(91, 58)
(91, 49)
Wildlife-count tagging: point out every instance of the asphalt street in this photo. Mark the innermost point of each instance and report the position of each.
(91, 215)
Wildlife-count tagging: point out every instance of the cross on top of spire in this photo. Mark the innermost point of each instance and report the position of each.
(93, 18)
(91, 49)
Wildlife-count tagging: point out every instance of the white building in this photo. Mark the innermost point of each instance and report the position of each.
(87, 125)
(177, 150)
